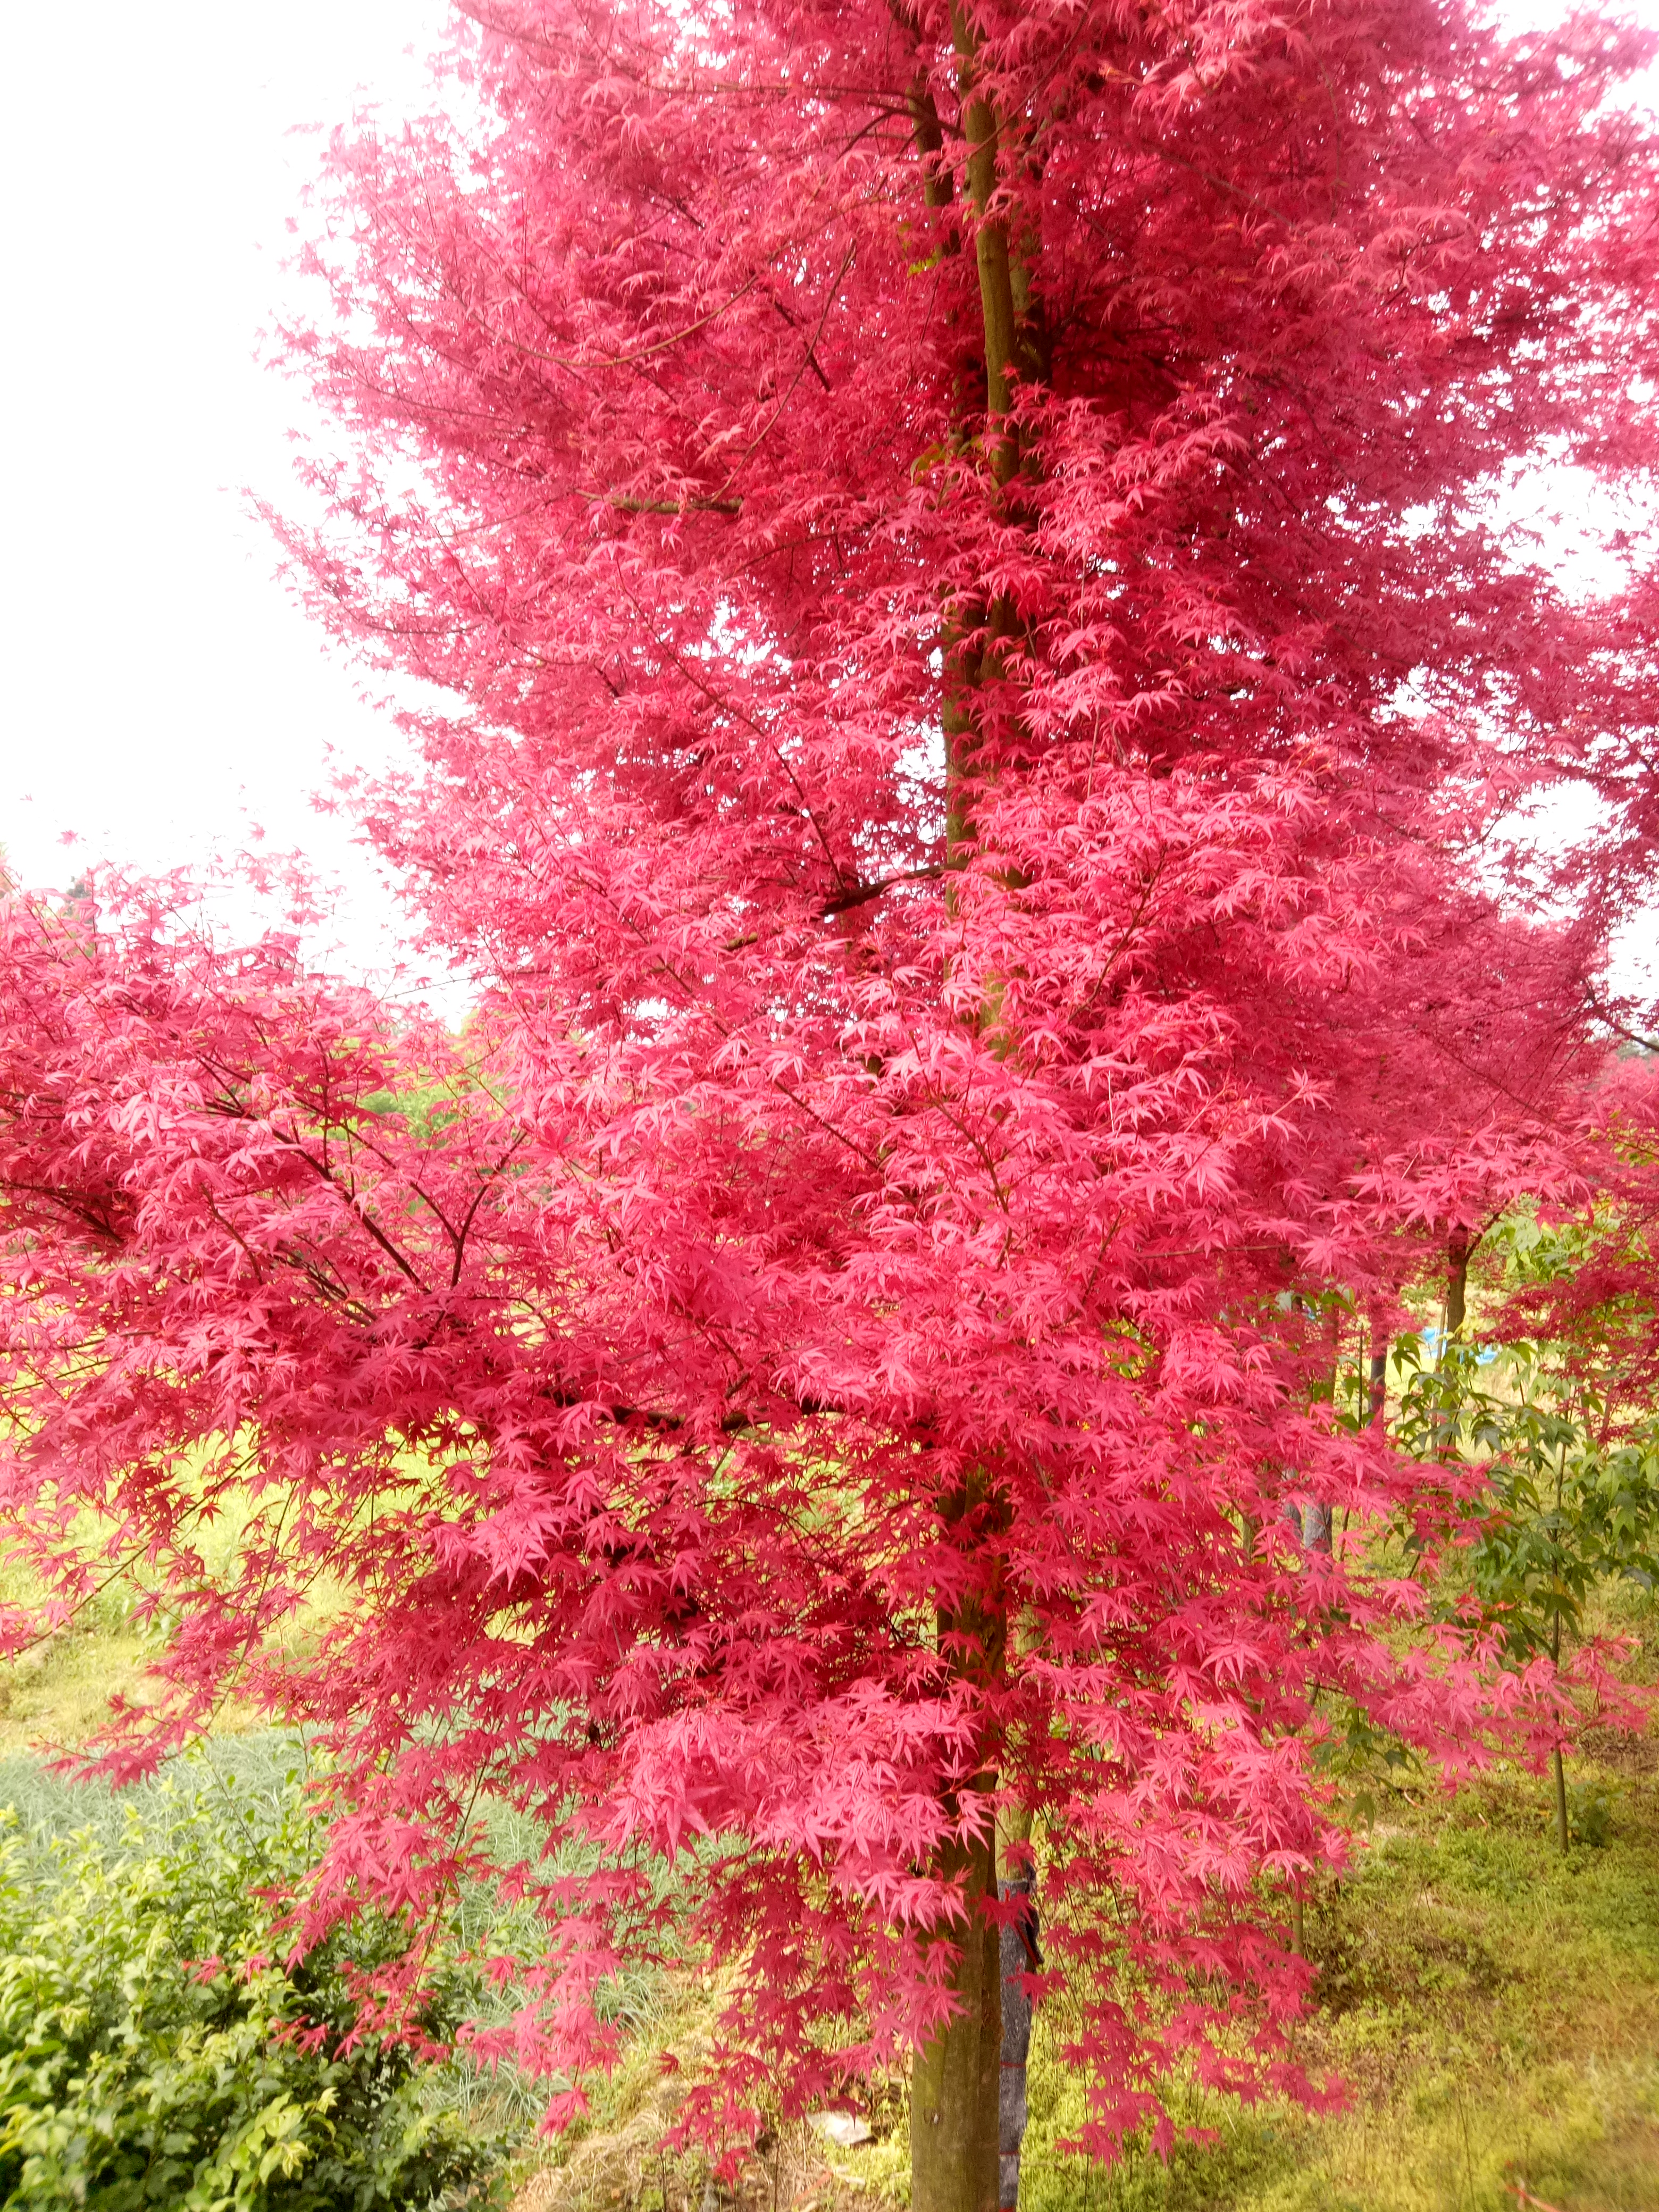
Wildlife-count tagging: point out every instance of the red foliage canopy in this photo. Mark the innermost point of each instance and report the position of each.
(986, 665)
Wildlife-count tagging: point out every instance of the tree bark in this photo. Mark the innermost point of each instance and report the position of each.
(1316, 1519)
(1379, 1379)
(1457, 1284)
(1019, 1957)
(1313, 1522)
(954, 2081)
(956, 2086)
(996, 288)
(1563, 1832)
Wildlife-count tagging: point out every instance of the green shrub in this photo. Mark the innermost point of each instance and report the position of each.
(153, 2048)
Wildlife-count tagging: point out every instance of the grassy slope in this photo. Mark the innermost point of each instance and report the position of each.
(60, 1691)
(1494, 2008)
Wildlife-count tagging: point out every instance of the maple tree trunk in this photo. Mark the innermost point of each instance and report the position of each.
(1019, 1956)
(1379, 1379)
(1317, 1520)
(1457, 1283)
(1312, 1520)
(1563, 1831)
(955, 2080)
(1458, 1278)
(957, 2127)
(969, 2084)
(996, 292)
(1317, 1515)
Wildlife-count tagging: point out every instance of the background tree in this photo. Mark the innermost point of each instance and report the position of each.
(925, 513)
(1552, 1408)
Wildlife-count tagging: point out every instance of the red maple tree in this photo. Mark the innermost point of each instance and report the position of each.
(960, 538)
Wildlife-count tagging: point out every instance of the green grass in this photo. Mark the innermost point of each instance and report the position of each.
(61, 1688)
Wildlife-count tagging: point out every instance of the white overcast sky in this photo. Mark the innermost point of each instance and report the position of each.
(163, 699)
(163, 703)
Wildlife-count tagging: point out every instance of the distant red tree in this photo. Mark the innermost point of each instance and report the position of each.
(935, 520)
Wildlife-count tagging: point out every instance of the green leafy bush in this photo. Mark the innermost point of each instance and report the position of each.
(1565, 1509)
(154, 2050)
